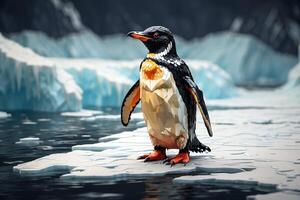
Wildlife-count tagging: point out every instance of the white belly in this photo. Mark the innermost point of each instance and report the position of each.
(164, 111)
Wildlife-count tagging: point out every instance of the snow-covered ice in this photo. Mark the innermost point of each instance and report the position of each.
(256, 144)
(288, 195)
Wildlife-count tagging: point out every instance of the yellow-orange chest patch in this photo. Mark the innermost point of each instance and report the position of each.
(151, 71)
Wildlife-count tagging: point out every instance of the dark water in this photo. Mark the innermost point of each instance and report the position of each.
(58, 134)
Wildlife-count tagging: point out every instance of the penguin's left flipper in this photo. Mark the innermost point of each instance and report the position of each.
(198, 96)
(130, 101)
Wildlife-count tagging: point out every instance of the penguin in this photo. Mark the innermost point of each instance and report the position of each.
(169, 98)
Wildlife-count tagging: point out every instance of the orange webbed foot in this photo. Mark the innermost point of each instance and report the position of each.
(154, 156)
(182, 157)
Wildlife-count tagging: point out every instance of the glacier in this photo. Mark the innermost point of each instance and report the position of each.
(31, 82)
(248, 60)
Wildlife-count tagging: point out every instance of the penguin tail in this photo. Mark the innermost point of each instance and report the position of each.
(196, 146)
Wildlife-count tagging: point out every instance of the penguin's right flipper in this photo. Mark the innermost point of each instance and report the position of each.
(130, 101)
(198, 96)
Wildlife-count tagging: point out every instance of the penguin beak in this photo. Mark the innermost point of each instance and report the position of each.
(139, 35)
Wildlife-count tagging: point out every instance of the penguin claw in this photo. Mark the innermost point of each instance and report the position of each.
(153, 156)
(143, 157)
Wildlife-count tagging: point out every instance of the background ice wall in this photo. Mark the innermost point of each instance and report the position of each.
(105, 82)
(31, 82)
(249, 61)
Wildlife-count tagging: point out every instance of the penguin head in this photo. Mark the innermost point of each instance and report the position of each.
(157, 39)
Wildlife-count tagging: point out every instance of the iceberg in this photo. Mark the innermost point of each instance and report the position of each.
(248, 60)
(31, 82)
(84, 44)
(105, 82)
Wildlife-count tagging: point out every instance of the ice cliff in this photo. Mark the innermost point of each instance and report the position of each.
(31, 82)
(105, 82)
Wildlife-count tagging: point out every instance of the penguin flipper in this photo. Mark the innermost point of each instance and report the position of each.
(130, 101)
(198, 96)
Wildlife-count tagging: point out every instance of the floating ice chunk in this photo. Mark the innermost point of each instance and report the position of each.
(113, 117)
(288, 195)
(239, 180)
(29, 141)
(82, 113)
(4, 114)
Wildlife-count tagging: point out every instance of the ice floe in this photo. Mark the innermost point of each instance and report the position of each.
(289, 195)
(82, 113)
(29, 141)
(4, 114)
(263, 156)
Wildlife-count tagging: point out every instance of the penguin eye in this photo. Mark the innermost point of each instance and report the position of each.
(156, 35)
